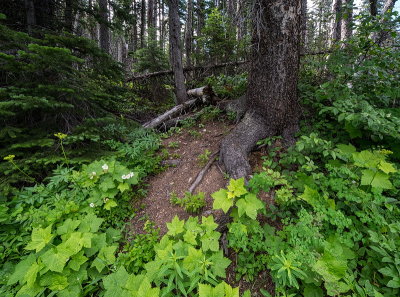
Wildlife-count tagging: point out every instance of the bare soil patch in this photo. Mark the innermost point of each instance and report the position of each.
(191, 143)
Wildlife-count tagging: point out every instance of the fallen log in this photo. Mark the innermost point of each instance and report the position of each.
(169, 114)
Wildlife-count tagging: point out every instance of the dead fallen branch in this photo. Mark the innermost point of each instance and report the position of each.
(154, 123)
(201, 174)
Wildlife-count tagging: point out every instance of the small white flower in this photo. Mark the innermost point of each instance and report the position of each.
(124, 177)
(105, 167)
(91, 204)
(353, 181)
(106, 199)
(131, 174)
(93, 173)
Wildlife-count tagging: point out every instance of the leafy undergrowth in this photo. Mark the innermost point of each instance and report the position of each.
(336, 195)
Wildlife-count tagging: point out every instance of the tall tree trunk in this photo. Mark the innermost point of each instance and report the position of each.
(336, 22)
(162, 25)
(241, 16)
(189, 33)
(142, 23)
(69, 15)
(373, 7)
(104, 30)
(134, 44)
(347, 21)
(271, 98)
(303, 25)
(30, 15)
(175, 52)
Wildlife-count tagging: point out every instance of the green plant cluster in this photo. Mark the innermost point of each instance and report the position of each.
(192, 203)
(226, 86)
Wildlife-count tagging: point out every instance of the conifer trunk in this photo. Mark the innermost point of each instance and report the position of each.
(175, 52)
(271, 98)
(104, 30)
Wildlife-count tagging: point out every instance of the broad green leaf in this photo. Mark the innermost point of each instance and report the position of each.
(249, 205)
(236, 187)
(313, 291)
(220, 263)
(208, 223)
(115, 282)
(54, 281)
(123, 187)
(40, 237)
(77, 260)
(346, 149)
(221, 200)
(68, 226)
(375, 179)
(110, 204)
(190, 237)
(175, 227)
(31, 274)
(310, 195)
(55, 260)
(194, 257)
(386, 167)
(21, 269)
(209, 241)
(366, 159)
(90, 223)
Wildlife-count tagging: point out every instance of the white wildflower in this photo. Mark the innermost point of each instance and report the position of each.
(91, 204)
(106, 199)
(93, 173)
(124, 177)
(105, 167)
(91, 177)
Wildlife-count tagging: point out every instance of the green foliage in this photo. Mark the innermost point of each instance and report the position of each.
(187, 255)
(226, 86)
(192, 203)
(204, 157)
(152, 57)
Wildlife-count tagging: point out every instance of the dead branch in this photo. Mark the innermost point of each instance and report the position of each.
(201, 174)
(169, 114)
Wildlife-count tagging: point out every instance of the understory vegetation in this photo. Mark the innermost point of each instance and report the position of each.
(73, 161)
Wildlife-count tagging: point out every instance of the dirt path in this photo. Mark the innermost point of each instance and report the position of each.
(184, 149)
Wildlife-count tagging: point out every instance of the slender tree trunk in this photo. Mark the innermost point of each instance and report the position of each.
(162, 25)
(134, 44)
(336, 22)
(142, 23)
(189, 33)
(373, 7)
(271, 98)
(104, 30)
(30, 15)
(175, 52)
(347, 21)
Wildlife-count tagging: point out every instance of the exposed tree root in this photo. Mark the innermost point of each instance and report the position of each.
(238, 144)
(201, 174)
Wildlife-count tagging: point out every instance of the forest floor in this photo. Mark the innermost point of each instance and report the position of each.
(184, 149)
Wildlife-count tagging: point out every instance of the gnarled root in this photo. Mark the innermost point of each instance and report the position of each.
(238, 144)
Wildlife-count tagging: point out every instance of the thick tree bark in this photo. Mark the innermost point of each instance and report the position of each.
(104, 30)
(271, 98)
(336, 22)
(175, 52)
(189, 33)
(30, 15)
